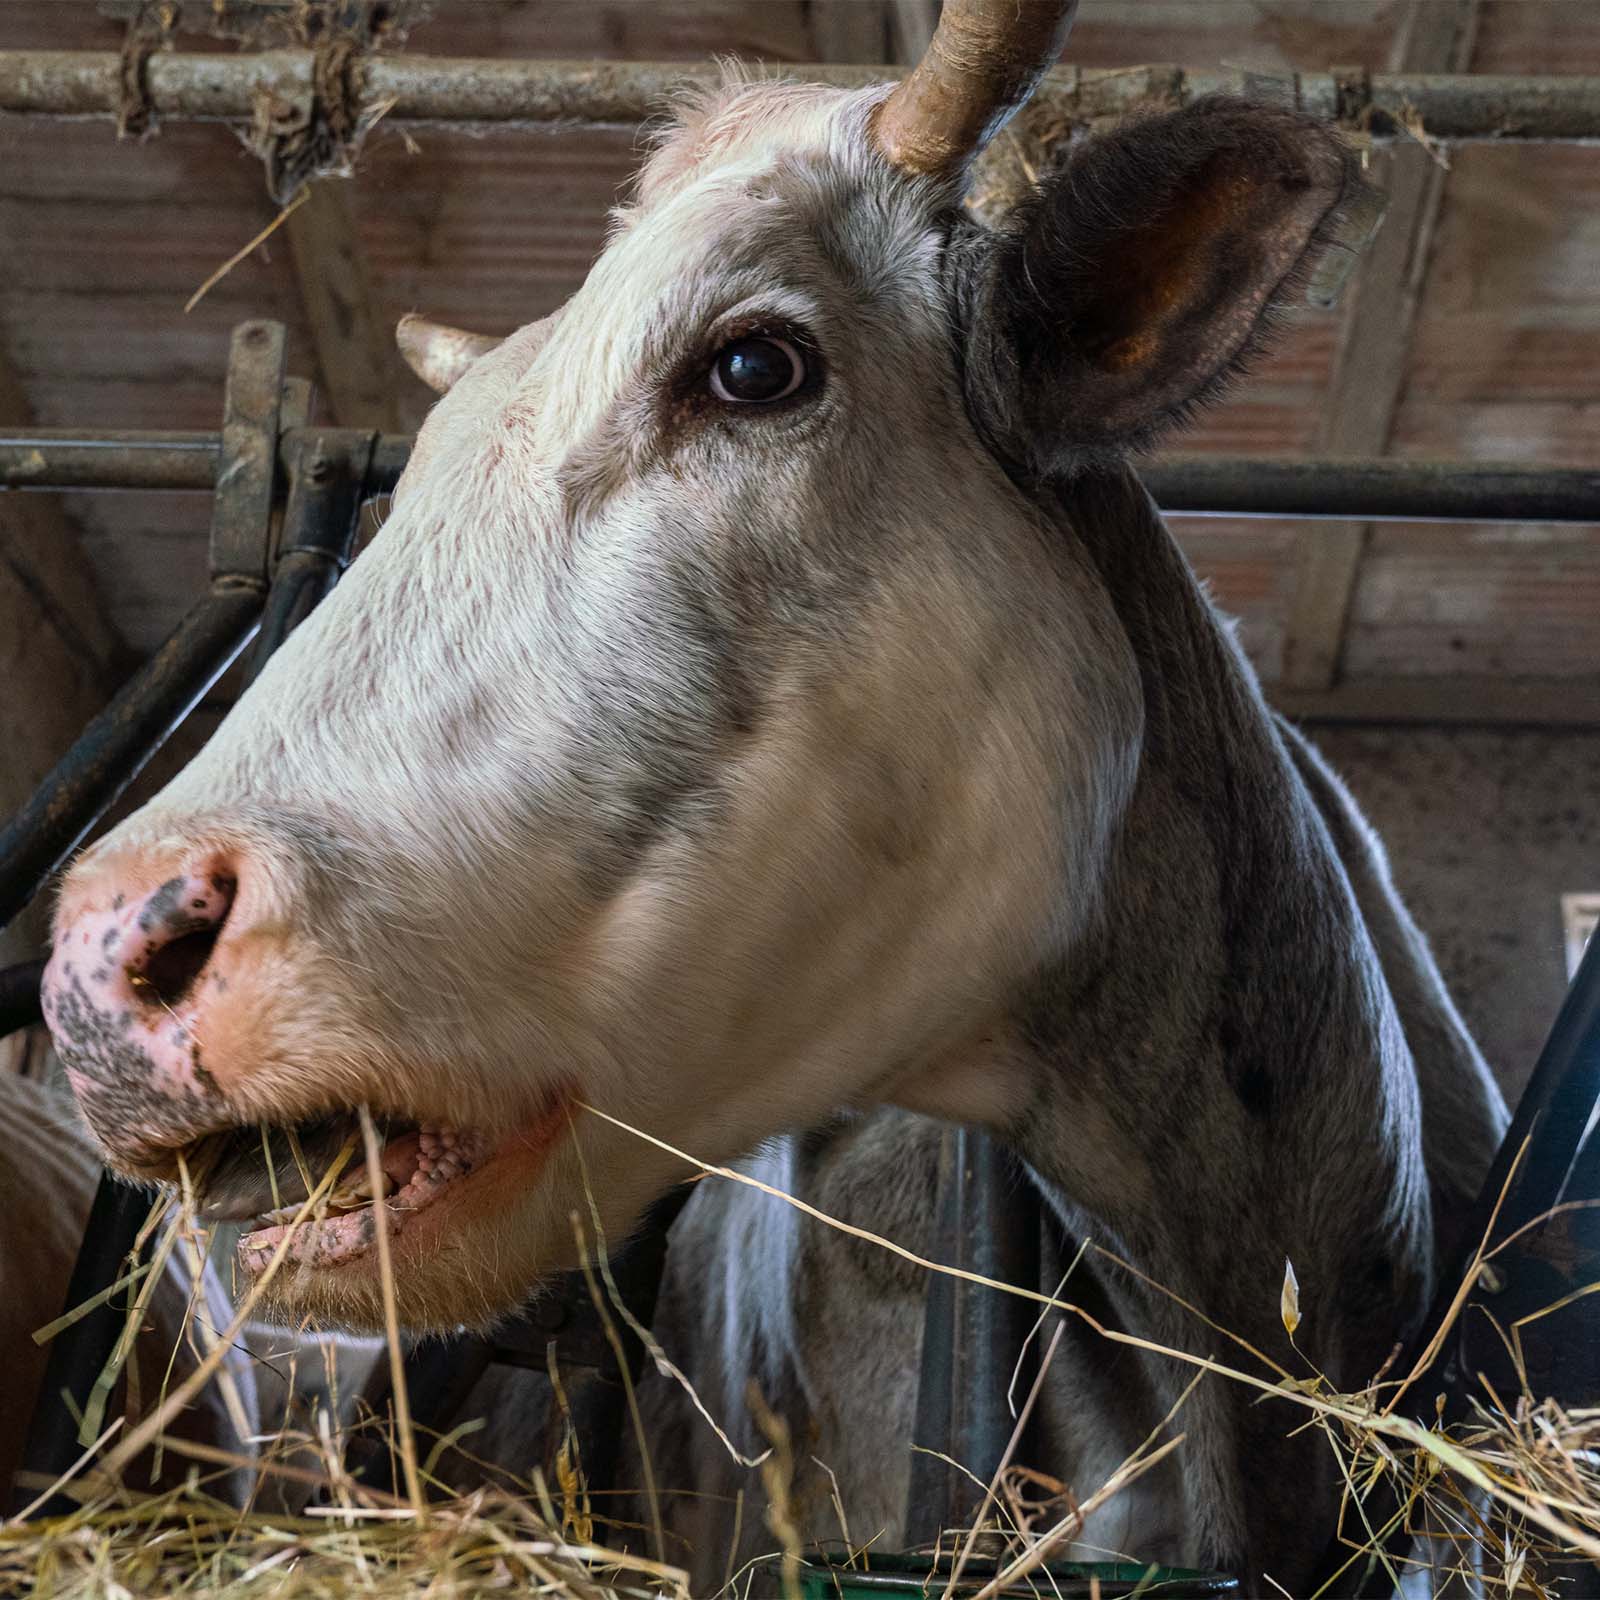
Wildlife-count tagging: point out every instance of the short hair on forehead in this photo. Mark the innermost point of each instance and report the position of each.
(746, 117)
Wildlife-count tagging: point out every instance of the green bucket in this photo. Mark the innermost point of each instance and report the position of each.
(881, 1577)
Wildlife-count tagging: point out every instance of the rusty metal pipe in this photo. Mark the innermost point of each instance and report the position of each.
(420, 90)
(113, 749)
(1374, 489)
(69, 458)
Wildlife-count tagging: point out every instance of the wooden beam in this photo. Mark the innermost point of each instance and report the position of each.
(850, 31)
(911, 27)
(354, 341)
(1567, 703)
(1373, 361)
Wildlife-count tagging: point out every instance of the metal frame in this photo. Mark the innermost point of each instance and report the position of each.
(421, 90)
(287, 503)
(1372, 489)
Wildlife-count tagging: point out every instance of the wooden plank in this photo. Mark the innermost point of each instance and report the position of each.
(1448, 701)
(849, 30)
(1370, 370)
(40, 550)
(356, 361)
(911, 25)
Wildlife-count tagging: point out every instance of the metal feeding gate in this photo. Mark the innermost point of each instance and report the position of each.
(287, 501)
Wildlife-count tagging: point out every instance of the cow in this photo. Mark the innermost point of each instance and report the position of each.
(776, 717)
(48, 1173)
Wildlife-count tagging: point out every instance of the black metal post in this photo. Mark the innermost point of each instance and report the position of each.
(972, 1340)
(113, 749)
(19, 996)
(1372, 490)
(80, 1350)
(1553, 1258)
(327, 468)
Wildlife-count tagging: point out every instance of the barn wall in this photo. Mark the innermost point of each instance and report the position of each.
(1485, 831)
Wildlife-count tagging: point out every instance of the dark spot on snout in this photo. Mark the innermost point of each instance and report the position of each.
(201, 1071)
(115, 1075)
(160, 908)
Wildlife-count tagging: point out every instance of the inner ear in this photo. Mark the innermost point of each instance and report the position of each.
(1175, 270)
(1144, 273)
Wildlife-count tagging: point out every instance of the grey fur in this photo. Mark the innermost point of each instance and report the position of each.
(1204, 1178)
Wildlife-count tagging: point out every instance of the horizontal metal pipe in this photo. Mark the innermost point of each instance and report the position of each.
(1343, 490)
(68, 458)
(419, 89)
(1375, 489)
(110, 753)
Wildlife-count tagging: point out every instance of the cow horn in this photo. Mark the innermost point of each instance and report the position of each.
(984, 60)
(439, 354)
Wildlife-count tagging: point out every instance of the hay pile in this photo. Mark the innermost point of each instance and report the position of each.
(1515, 1490)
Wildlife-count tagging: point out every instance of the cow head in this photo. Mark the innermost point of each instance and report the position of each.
(718, 732)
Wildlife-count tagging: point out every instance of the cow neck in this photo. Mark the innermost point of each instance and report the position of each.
(1228, 1016)
(1222, 1080)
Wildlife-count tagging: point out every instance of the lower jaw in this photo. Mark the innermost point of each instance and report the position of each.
(348, 1243)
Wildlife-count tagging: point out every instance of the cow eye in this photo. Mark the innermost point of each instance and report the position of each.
(757, 371)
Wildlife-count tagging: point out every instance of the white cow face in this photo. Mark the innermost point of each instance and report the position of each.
(714, 736)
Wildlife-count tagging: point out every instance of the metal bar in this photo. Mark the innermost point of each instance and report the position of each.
(973, 1338)
(1552, 1116)
(420, 89)
(19, 996)
(80, 1350)
(247, 473)
(1537, 1159)
(318, 534)
(68, 458)
(112, 750)
(1374, 489)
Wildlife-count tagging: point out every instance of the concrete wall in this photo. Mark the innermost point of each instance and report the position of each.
(1485, 831)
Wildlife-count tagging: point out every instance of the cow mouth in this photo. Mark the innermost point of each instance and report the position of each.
(262, 1177)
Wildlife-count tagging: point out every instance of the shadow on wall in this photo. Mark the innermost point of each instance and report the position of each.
(1485, 832)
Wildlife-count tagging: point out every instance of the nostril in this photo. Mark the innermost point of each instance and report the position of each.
(176, 932)
(169, 973)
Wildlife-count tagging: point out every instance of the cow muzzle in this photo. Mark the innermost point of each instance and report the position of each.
(126, 993)
(207, 1047)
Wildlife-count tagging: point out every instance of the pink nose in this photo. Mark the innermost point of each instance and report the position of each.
(121, 994)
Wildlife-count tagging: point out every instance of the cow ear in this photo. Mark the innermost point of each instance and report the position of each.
(1143, 274)
(438, 354)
